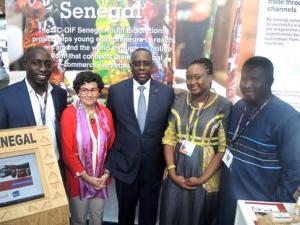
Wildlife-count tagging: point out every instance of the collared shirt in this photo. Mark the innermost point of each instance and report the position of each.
(38, 103)
(136, 93)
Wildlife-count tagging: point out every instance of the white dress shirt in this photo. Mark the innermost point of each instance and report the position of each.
(38, 103)
(136, 93)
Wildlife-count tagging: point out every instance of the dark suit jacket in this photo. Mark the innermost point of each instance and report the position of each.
(133, 151)
(16, 110)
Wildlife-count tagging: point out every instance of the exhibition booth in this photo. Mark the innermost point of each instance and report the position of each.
(100, 36)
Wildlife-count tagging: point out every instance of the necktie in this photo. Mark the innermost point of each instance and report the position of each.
(141, 109)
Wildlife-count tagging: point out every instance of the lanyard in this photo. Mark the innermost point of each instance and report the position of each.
(238, 132)
(190, 125)
(43, 109)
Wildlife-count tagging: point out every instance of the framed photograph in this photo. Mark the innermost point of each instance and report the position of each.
(20, 179)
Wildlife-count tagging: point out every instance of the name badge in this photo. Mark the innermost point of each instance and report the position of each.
(187, 148)
(227, 158)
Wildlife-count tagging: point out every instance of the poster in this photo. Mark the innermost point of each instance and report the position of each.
(94, 35)
(278, 38)
(101, 35)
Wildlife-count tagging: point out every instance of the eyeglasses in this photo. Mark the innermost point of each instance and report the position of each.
(85, 91)
(140, 63)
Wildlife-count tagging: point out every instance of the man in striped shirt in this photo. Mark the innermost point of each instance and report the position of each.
(262, 161)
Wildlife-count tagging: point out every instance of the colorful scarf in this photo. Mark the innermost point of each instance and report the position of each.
(85, 146)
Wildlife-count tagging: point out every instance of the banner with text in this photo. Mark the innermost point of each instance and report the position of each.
(100, 35)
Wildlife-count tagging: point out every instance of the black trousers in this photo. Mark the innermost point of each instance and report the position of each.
(129, 194)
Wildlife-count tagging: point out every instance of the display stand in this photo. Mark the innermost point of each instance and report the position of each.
(258, 212)
(31, 186)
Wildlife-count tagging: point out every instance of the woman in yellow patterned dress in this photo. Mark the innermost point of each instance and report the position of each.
(194, 144)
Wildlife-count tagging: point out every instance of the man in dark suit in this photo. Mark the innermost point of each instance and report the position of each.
(136, 157)
(34, 101)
